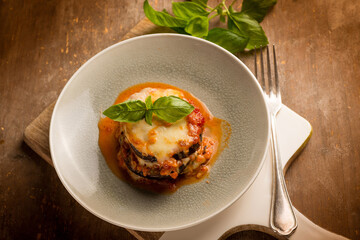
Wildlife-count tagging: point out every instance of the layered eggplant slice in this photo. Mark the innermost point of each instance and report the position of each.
(147, 166)
(163, 150)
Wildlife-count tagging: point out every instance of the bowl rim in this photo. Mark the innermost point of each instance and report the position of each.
(157, 229)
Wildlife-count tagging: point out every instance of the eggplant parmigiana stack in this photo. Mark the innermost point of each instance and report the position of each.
(164, 150)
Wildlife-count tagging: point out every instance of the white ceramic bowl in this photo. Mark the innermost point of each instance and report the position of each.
(208, 71)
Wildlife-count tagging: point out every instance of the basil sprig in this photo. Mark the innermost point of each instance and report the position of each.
(168, 108)
(192, 18)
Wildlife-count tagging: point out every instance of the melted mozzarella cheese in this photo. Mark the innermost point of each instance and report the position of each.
(164, 138)
(155, 94)
(168, 138)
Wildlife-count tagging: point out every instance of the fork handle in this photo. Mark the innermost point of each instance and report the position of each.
(282, 217)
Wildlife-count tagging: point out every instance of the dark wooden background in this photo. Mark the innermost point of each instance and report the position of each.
(42, 43)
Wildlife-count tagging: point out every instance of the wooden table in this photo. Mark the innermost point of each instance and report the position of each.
(44, 42)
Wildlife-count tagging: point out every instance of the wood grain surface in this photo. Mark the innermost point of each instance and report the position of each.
(36, 135)
(44, 42)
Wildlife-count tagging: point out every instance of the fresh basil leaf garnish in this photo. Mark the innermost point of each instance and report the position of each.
(171, 108)
(162, 18)
(227, 39)
(176, 29)
(257, 9)
(245, 25)
(180, 30)
(220, 11)
(202, 3)
(198, 26)
(168, 108)
(193, 18)
(149, 112)
(187, 10)
(231, 9)
(148, 102)
(129, 111)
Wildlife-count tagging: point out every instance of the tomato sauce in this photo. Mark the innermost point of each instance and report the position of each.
(217, 129)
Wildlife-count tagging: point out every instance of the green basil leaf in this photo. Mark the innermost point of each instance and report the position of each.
(129, 111)
(148, 102)
(149, 113)
(148, 117)
(176, 29)
(198, 26)
(162, 18)
(243, 24)
(222, 18)
(187, 10)
(202, 3)
(231, 9)
(171, 108)
(257, 9)
(221, 13)
(227, 39)
(232, 26)
(219, 10)
(180, 30)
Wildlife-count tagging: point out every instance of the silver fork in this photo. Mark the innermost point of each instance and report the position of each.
(282, 217)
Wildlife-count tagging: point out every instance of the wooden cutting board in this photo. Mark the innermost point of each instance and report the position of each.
(36, 135)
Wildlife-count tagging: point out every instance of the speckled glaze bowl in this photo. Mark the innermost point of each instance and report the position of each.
(206, 70)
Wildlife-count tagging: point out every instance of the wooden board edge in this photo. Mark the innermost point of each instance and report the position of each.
(139, 235)
(145, 27)
(37, 126)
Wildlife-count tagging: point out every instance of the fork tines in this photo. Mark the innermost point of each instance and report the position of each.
(267, 85)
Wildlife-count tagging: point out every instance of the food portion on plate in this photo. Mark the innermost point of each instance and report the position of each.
(159, 137)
